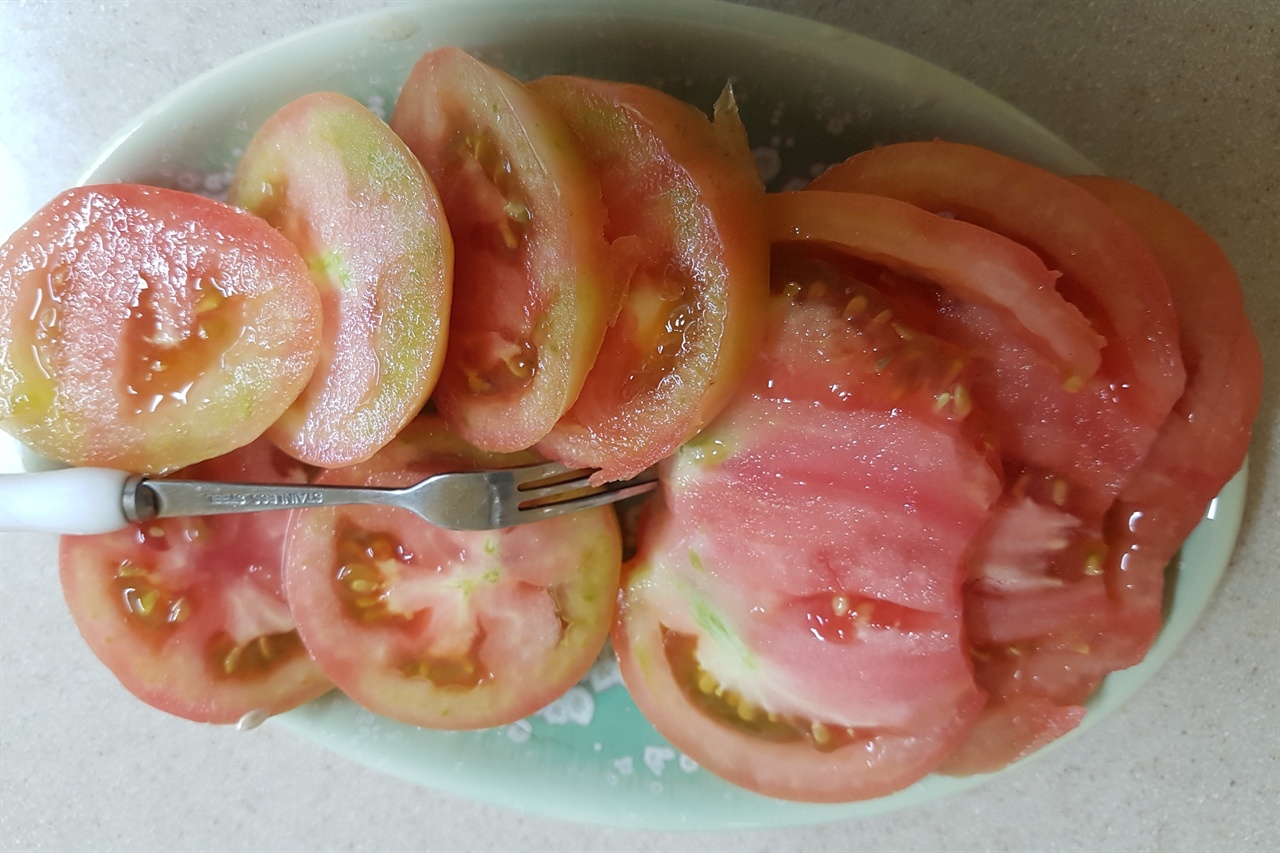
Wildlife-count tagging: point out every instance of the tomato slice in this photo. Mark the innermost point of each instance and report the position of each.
(189, 613)
(1076, 235)
(970, 262)
(347, 192)
(792, 620)
(147, 329)
(448, 629)
(686, 225)
(533, 291)
(1043, 604)
(1199, 447)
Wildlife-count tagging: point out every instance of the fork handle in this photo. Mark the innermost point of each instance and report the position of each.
(170, 498)
(69, 500)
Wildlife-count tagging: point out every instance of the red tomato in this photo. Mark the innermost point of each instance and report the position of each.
(686, 225)
(1199, 447)
(1203, 442)
(533, 292)
(792, 620)
(441, 628)
(1038, 579)
(347, 192)
(968, 261)
(1075, 233)
(148, 329)
(189, 613)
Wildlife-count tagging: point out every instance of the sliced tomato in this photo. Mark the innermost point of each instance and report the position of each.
(970, 262)
(1073, 232)
(686, 225)
(441, 628)
(189, 613)
(533, 289)
(347, 192)
(1203, 442)
(1199, 447)
(147, 329)
(792, 619)
(1038, 580)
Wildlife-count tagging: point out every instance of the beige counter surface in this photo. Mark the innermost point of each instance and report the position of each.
(1180, 97)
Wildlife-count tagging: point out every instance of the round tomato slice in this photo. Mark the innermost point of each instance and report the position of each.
(686, 226)
(189, 613)
(533, 291)
(347, 192)
(147, 329)
(441, 628)
(792, 619)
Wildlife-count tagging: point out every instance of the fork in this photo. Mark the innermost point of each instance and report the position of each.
(99, 500)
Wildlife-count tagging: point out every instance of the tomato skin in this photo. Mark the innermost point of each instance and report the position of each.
(533, 290)
(449, 629)
(217, 609)
(686, 226)
(123, 312)
(346, 191)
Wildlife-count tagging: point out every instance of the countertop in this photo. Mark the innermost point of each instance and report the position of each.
(1182, 98)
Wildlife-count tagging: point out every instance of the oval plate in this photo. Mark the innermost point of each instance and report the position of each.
(810, 95)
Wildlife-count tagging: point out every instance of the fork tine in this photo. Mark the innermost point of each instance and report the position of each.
(626, 489)
(529, 477)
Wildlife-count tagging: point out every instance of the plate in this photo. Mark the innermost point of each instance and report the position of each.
(810, 95)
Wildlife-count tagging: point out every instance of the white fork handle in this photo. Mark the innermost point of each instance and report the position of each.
(69, 500)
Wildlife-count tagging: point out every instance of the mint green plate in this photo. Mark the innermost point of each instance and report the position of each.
(810, 95)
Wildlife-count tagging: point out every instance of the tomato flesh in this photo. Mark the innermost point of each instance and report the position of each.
(533, 290)
(347, 192)
(686, 227)
(189, 613)
(148, 329)
(792, 619)
(442, 628)
(1039, 585)
(1199, 447)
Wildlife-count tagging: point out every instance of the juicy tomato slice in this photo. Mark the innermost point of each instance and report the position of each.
(970, 262)
(347, 192)
(189, 613)
(147, 329)
(792, 620)
(533, 290)
(1046, 605)
(686, 226)
(1076, 235)
(1199, 447)
(441, 628)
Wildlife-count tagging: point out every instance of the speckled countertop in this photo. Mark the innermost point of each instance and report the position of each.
(1181, 97)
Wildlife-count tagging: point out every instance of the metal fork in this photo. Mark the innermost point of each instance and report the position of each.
(97, 500)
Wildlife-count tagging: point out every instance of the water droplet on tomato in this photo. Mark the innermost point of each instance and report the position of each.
(252, 720)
